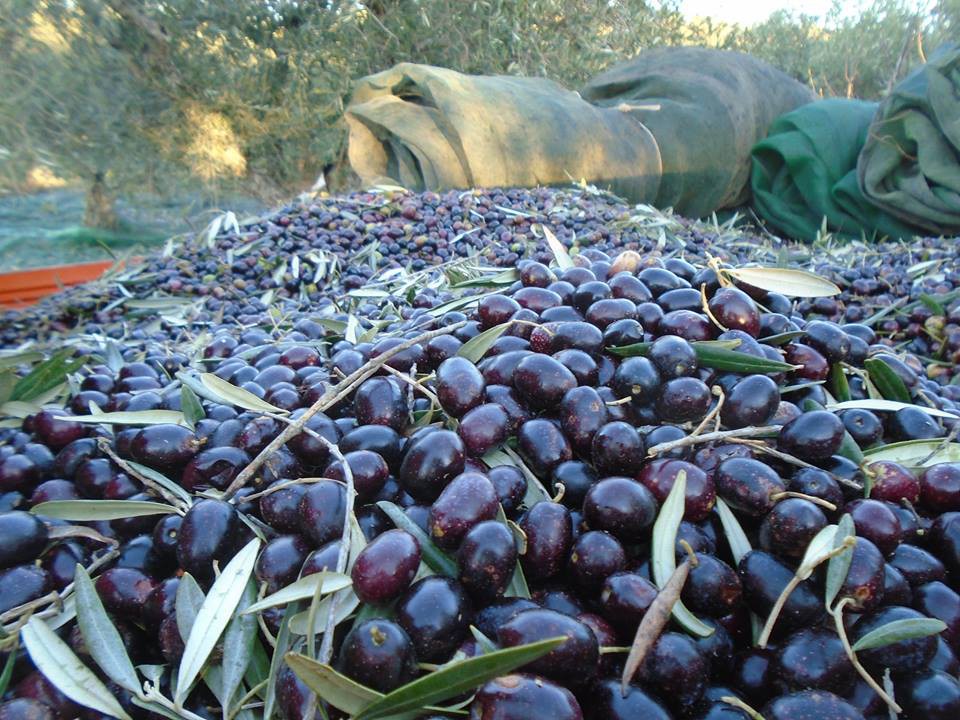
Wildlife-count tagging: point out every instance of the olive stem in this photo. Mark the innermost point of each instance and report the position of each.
(104, 445)
(803, 572)
(741, 705)
(790, 459)
(837, 614)
(246, 698)
(746, 432)
(326, 645)
(417, 385)
(328, 399)
(713, 414)
(777, 497)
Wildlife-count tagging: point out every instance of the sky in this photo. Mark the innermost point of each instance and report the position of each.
(748, 12)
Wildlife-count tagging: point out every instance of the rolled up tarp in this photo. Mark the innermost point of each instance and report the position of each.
(910, 163)
(707, 109)
(426, 127)
(806, 170)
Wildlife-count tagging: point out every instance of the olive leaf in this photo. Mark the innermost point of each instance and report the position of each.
(340, 691)
(560, 254)
(434, 557)
(7, 381)
(839, 565)
(284, 642)
(302, 589)
(54, 658)
(139, 417)
(8, 360)
(100, 636)
(889, 406)
(7, 672)
(663, 553)
(62, 532)
(505, 277)
(90, 510)
(346, 604)
(736, 537)
(238, 640)
(932, 304)
(782, 338)
(456, 678)
(192, 408)
(718, 355)
(793, 283)
(913, 453)
(46, 376)
(230, 394)
(163, 481)
(476, 347)
(890, 385)
(214, 615)
(518, 582)
(898, 630)
(839, 386)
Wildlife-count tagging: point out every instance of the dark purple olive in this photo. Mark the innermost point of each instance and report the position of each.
(386, 567)
(542, 381)
(814, 659)
(790, 526)
(487, 559)
(164, 447)
(21, 584)
(512, 697)
(483, 428)
(617, 448)
(216, 467)
(712, 588)
(368, 469)
(378, 653)
(430, 463)
(595, 556)
(621, 506)
(280, 561)
(660, 475)
(309, 449)
(22, 538)
(470, 498)
(124, 591)
(582, 413)
(26, 709)
(460, 386)
(813, 435)
(609, 702)
(930, 695)
(209, 532)
(511, 487)
(624, 600)
(752, 401)
(573, 661)
(543, 445)
(436, 615)
(323, 508)
(549, 532)
(865, 579)
(810, 705)
(748, 485)
(676, 668)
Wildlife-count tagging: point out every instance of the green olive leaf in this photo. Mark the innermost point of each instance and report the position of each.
(890, 385)
(139, 417)
(899, 630)
(214, 615)
(302, 589)
(90, 510)
(476, 347)
(46, 376)
(916, 453)
(58, 663)
(230, 394)
(455, 679)
(839, 565)
(560, 254)
(663, 553)
(793, 283)
(100, 636)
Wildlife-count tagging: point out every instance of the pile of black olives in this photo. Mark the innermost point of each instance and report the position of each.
(533, 451)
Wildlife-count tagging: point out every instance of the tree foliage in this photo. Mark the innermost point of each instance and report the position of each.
(144, 94)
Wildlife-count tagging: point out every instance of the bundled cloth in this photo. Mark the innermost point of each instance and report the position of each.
(910, 164)
(868, 169)
(673, 127)
(806, 170)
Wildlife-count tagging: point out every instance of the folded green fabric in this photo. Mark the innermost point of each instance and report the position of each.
(806, 170)
(706, 108)
(910, 164)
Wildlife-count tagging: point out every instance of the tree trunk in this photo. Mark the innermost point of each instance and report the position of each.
(99, 211)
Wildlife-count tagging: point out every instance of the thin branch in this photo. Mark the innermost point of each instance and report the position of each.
(331, 397)
(747, 432)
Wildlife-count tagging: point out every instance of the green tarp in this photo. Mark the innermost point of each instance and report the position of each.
(706, 108)
(873, 169)
(428, 128)
(806, 169)
(689, 115)
(910, 164)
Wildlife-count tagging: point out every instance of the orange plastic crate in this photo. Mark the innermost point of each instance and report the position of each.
(25, 287)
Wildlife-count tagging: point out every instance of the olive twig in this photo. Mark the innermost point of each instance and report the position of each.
(746, 432)
(104, 445)
(837, 613)
(328, 399)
